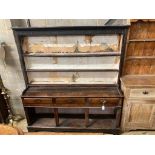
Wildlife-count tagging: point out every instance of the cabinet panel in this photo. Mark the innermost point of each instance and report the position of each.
(140, 114)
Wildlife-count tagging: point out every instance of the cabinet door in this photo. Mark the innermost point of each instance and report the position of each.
(140, 114)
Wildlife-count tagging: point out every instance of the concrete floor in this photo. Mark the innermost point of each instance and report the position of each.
(23, 125)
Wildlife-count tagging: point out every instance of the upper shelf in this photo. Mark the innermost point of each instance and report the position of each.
(73, 70)
(72, 54)
(72, 45)
(142, 40)
(140, 57)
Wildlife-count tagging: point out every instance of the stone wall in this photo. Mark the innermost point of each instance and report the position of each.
(10, 69)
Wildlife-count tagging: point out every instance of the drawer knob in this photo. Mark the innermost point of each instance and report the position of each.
(145, 92)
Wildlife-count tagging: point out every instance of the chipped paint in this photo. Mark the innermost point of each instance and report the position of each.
(71, 44)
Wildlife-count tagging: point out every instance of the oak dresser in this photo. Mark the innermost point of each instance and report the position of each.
(72, 77)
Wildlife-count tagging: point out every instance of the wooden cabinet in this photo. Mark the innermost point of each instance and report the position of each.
(139, 103)
(138, 81)
(72, 77)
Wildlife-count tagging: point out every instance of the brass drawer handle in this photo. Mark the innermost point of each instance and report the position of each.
(145, 92)
(103, 101)
(103, 106)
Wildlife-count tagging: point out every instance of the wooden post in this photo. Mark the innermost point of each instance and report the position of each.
(30, 115)
(86, 117)
(118, 117)
(56, 116)
(56, 113)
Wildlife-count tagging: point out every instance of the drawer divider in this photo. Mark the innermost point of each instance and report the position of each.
(56, 113)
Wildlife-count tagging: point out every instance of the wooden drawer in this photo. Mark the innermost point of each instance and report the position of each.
(142, 93)
(70, 102)
(107, 102)
(37, 102)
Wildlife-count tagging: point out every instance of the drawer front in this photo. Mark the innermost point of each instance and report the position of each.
(70, 102)
(37, 101)
(107, 102)
(142, 93)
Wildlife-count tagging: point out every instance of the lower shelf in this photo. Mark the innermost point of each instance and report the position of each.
(74, 125)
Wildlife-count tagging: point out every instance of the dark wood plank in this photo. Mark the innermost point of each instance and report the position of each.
(72, 70)
(72, 92)
(73, 54)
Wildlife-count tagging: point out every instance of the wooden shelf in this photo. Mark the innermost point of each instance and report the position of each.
(73, 54)
(140, 57)
(96, 67)
(77, 124)
(141, 40)
(83, 91)
(33, 84)
(71, 70)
